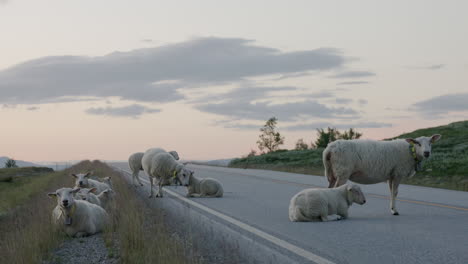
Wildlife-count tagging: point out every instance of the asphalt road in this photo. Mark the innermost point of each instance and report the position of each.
(432, 226)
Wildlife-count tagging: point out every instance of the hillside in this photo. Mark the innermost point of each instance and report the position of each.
(447, 167)
(19, 163)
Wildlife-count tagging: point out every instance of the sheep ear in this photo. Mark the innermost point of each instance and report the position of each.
(435, 138)
(89, 173)
(411, 141)
(349, 187)
(92, 190)
(75, 190)
(73, 175)
(52, 195)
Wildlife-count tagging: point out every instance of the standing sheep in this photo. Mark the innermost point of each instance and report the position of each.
(134, 162)
(371, 161)
(317, 204)
(77, 218)
(82, 181)
(206, 187)
(163, 166)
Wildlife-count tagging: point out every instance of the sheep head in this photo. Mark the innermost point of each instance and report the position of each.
(355, 194)
(81, 179)
(423, 145)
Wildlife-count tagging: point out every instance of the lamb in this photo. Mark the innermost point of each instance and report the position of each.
(134, 162)
(82, 181)
(77, 218)
(163, 166)
(371, 161)
(317, 204)
(88, 194)
(206, 187)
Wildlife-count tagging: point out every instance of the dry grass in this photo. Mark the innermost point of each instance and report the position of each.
(26, 232)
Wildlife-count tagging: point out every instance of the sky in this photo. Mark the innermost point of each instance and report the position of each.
(104, 79)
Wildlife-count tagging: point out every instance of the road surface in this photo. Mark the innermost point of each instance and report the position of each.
(432, 226)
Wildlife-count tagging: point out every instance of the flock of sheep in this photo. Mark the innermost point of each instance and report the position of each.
(82, 210)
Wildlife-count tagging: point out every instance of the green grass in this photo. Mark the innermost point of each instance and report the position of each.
(447, 168)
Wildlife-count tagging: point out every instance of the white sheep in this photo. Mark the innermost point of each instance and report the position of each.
(371, 161)
(88, 194)
(207, 187)
(77, 218)
(162, 166)
(82, 181)
(134, 162)
(317, 204)
(107, 199)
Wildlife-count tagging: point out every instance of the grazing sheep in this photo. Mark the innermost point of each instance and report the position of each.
(206, 187)
(77, 218)
(163, 166)
(317, 204)
(370, 161)
(88, 194)
(82, 181)
(134, 162)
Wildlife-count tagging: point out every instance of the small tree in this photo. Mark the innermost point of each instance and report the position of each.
(325, 137)
(11, 163)
(301, 145)
(270, 139)
(252, 153)
(350, 134)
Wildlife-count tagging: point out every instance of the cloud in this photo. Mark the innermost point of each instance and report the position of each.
(363, 101)
(140, 75)
(352, 83)
(133, 111)
(430, 67)
(147, 40)
(352, 74)
(32, 108)
(313, 126)
(3, 2)
(441, 105)
(343, 100)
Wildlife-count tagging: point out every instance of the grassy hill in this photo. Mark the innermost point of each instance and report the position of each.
(447, 167)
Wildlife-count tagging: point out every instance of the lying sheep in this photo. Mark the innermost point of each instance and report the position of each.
(162, 166)
(106, 198)
(317, 204)
(88, 194)
(134, 162)
(77, 218)
(82, 181)
(206, 187)
(371, 161)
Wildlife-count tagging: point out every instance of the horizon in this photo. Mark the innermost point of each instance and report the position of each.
(80, 82)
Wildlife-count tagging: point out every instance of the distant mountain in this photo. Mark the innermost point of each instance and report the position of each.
(219, 162)
(19, 163)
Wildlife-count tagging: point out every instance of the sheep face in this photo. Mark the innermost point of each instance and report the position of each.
(81, 179)
(65, 196)
(84, 194)
(184, 176)
(356, 194)
(423, 145)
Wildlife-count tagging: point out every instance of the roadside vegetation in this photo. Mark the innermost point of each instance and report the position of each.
(447, 168)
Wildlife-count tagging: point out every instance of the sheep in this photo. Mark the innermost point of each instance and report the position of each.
(206, 187)
(82, 180)
(106, 198)
(163, 166)
(371, 161)
(88, 194)
(317, 204)
(134, 162)
(77, 218)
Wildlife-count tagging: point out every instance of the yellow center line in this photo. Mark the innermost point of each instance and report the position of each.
(368, 194)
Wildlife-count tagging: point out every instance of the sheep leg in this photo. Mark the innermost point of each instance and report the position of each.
(340, 181)
(151, 187)
(160, 184)
(135, 175)
(393, 184)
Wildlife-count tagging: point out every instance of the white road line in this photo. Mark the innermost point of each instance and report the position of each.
(277, 241)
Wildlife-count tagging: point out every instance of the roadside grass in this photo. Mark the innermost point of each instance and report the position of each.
(26, 232)
(447, 168)
(140, 232)
(20, 184)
